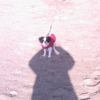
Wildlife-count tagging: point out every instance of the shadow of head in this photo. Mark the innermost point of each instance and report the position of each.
(52, 81)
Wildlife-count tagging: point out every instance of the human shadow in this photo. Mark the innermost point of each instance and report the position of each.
(52, 81)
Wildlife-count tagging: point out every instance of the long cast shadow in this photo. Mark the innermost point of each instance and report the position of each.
(53, 81)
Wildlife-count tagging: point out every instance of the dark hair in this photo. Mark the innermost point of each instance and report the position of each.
(41, 39)
(48, 39)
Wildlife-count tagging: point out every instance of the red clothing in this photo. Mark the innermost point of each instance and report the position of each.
(53, 39)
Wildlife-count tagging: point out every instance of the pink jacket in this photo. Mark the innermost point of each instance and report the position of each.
(53, 39)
